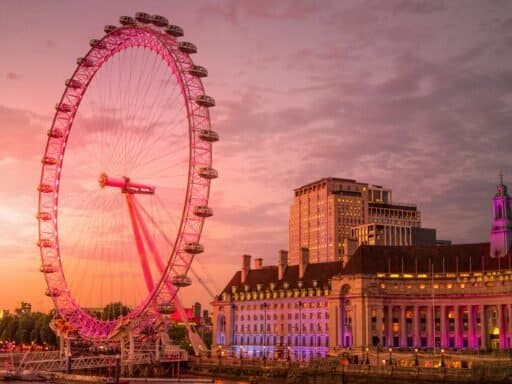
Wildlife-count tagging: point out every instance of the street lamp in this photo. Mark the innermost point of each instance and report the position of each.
(442, 357)
(367, 361)
(416, 361)
(390, 355)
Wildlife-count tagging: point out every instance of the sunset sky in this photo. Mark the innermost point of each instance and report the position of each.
(411, 95)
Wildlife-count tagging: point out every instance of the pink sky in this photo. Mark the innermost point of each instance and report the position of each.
(413, 95)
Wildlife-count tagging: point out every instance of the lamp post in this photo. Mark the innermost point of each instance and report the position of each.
(390, 350)
(442, 357)
(367, 361)
(416, 361)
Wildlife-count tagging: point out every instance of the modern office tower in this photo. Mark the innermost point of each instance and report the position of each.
(328, 212)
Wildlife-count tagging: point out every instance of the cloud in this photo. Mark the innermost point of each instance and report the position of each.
(419, 6)
(13, 76)
(234, 11)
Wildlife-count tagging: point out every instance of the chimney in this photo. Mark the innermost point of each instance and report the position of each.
(246, 267)
(282, 263)
(303, 261)
(258, 263)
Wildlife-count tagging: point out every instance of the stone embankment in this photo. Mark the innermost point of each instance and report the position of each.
(327, 371)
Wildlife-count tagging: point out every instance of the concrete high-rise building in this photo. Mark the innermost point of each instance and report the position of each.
(327, 213)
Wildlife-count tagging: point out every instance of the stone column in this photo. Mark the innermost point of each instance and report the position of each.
(458, 323)
(442, 318)
(430, 327)
(390, 326)
(483, 326)
(380, 323)
(403, 327)
(509, 329)
(471, 327)
(416, 326)
(502, 326)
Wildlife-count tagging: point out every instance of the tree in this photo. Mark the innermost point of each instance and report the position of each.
(113, 310)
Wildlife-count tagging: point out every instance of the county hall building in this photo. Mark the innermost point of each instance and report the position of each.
(408, 296)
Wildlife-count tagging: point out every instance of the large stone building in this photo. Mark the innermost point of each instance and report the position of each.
(327, 213)
(455, 296)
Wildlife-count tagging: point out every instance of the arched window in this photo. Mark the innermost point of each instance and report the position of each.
(500, 212)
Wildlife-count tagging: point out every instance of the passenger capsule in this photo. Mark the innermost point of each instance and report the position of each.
(83, 61)
(73, 83)
(203, 211)
(159, 21)
(45, 188)
(62, 107)
(174, 30)
(54, 292)
(44, 243)
(208, 173)
(205, 101)
(181, 281)
(127, 20)
(143, 17)
(198, 71)
(98, 44)
(166, 309)
(55, 133)
(193, 248)
(48, 268)
(186, 47)
(110, 28)
(45, 216)
(48, 160)
(208, 135)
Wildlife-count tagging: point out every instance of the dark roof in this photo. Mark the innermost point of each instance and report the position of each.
(403, 206)
(321, 272)
(420, 259)
(326, 179)
(373, 259)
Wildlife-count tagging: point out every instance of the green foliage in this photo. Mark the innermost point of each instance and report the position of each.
(113, 310)
(28, 328)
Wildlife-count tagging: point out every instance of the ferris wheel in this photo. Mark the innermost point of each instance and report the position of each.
(125, 176)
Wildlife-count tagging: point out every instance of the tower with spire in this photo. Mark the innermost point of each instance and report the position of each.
(501, 231)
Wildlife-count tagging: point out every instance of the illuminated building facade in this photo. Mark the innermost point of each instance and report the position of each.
(452, 296)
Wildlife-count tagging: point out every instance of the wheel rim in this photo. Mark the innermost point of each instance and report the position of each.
(57, 265)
